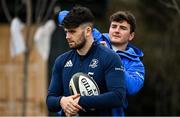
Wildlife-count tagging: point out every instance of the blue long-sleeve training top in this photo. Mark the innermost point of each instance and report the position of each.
(100, 63)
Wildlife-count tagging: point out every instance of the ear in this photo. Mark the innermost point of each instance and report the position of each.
(131, 37)
(88, 30)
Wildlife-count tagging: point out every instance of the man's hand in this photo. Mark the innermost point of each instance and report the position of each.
(70, 104)
(103, 43)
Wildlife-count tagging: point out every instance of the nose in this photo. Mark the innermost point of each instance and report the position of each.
(117, 29)
(68, 35)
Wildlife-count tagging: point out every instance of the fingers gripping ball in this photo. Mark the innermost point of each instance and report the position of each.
(83, 84)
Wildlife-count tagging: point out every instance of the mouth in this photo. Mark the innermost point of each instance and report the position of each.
(116, 36)
(69, 41)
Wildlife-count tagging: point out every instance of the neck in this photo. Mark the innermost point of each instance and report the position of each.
(87, 46)
(119, 47)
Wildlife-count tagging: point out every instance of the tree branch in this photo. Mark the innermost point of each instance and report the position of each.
(176, 6)
(49, 10)
(6, 11)
(41, 8)
(168, 5)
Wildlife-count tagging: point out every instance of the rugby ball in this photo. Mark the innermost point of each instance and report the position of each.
(83, 84)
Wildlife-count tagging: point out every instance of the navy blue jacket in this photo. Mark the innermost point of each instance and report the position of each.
(130, 58)
(106, 69)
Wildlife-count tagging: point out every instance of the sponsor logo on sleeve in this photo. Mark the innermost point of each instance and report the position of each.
(119, 68)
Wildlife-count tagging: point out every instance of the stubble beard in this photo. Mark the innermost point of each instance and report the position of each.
(80, 44)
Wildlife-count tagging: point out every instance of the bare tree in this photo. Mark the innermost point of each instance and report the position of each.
(171, 4)
(41, 15)
(171, 40)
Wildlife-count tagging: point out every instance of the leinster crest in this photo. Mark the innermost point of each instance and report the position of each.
(93, 63)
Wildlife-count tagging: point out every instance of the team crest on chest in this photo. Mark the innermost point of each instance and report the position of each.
(93, 63)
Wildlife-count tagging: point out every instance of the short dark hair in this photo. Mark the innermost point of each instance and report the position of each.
(78, 15)
(124, 15)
